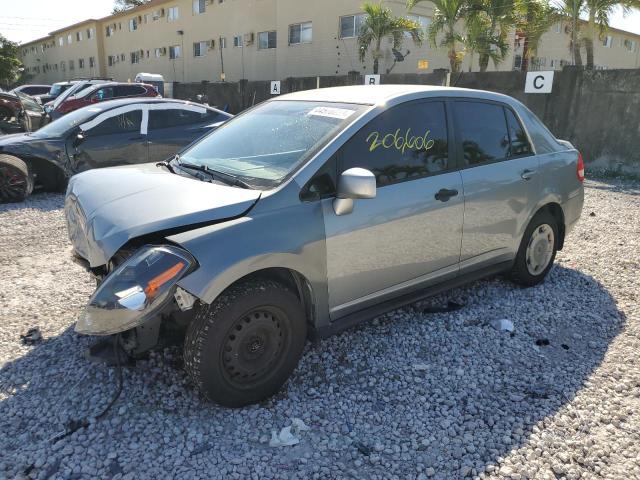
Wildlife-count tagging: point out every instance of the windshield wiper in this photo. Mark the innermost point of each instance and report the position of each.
(167, 165)
(224, 177)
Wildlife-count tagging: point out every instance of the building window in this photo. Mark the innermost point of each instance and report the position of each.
(133, 24)
(122, 57)
(237, 41)
(90, 32)
(158, 52)
(135, 57)
(173, 14)
(199, 49)
(517, 63)
(558, 27)
(350, 25)
(420, 20)
(174, 52)
(607, 41)
(199, 6)
(78, 36)
(629, 45)
(92, 62)
(69, 39)
(267, 40)
(71, 65)
(81, 63)
(300, 33)
(223, 42)
(109, 30)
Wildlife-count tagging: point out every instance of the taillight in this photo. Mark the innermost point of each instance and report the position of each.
(580, 168)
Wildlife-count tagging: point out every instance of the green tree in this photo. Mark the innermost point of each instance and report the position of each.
(487, 27)
(599, 12)
(380, 24)
(122, 5)
(10, 65)
(533, 18)
(447, 13)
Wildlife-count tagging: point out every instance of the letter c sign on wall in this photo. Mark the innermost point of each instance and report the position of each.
(539, 82)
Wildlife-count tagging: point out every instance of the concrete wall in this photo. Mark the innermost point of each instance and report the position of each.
(599, 112)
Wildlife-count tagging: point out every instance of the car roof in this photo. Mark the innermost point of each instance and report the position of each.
(119, 102)
(381, 94)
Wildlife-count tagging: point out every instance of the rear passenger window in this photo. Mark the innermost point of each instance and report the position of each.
(405, 142)
(519, 141)
(129, 90)
(174, 117)
(482, 132)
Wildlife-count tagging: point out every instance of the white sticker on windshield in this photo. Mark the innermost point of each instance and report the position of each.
(331, 112)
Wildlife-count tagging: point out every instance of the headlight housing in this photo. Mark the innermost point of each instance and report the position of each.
(135, 291)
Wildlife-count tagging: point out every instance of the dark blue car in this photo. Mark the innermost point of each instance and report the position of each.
(117, 132)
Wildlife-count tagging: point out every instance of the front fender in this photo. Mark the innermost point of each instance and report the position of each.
(291, 237)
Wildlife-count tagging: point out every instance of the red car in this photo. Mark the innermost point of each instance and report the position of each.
(102, 92)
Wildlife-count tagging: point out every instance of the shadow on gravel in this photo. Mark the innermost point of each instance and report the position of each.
(477, 395)
(619, 185)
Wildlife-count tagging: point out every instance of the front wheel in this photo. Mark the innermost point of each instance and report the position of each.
(537, 250)
(244, 346)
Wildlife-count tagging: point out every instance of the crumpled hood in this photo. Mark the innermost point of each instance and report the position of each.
(105, 208)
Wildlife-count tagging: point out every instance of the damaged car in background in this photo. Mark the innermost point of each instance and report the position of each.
(115, 132)
(311, 212)
(20, 113)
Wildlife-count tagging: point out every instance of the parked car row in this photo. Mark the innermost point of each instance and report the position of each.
(114, 132)
(20, 113)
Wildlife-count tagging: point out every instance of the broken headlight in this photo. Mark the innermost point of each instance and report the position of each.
(135, 291)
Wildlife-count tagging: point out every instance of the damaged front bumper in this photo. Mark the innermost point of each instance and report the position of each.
(136, 291)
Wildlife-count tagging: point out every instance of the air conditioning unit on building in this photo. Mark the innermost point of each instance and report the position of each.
(162, 12)
(163, 51)
(211, 44)
(139, 18)
(248, 38)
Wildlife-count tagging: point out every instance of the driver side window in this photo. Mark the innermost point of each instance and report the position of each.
(127, 122)
(404, 143)
(103, 94)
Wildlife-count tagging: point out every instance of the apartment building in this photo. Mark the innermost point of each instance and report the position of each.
(198, 40)
(618, 49)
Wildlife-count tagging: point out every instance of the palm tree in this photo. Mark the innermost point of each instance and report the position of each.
(446, 14)
(380, 24)
(488, 24)
(599, 12)
(533, 18)
(573, 9)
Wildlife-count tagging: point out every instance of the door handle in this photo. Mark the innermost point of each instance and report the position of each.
(444, 194)
(528, 174)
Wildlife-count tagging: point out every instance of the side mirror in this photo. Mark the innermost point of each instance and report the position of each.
(79, 139)
(355, 183)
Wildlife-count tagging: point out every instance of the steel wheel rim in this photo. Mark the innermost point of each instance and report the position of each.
(253, 346)
(540, 249)
(12, 184)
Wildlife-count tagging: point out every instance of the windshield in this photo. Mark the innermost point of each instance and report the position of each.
(70, 120)
(266, 144)
(29, 103)
(67, 93)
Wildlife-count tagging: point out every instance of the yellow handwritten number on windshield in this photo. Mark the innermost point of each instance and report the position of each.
(399, 142)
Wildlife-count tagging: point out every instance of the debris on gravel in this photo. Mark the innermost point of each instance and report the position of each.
(407, 395)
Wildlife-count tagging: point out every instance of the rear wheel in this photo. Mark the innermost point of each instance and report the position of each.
(16, 181)
(537, 250)
(244, 346)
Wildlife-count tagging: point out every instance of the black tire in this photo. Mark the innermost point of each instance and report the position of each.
(16, 181)
(522, 273)
(244, 346)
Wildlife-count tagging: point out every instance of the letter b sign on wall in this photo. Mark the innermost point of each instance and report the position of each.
(539, 82)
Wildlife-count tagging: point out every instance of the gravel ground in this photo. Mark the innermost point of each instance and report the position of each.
(407, 395)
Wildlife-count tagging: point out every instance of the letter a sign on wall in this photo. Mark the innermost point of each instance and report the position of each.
(275, 87)
(539, 82)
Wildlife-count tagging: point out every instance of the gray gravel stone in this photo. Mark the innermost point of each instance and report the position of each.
(480, 403)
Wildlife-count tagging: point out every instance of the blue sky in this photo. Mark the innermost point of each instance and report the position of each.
(25, 20)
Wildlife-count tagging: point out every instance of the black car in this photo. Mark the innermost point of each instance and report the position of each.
(32, 90)
(116, 132)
